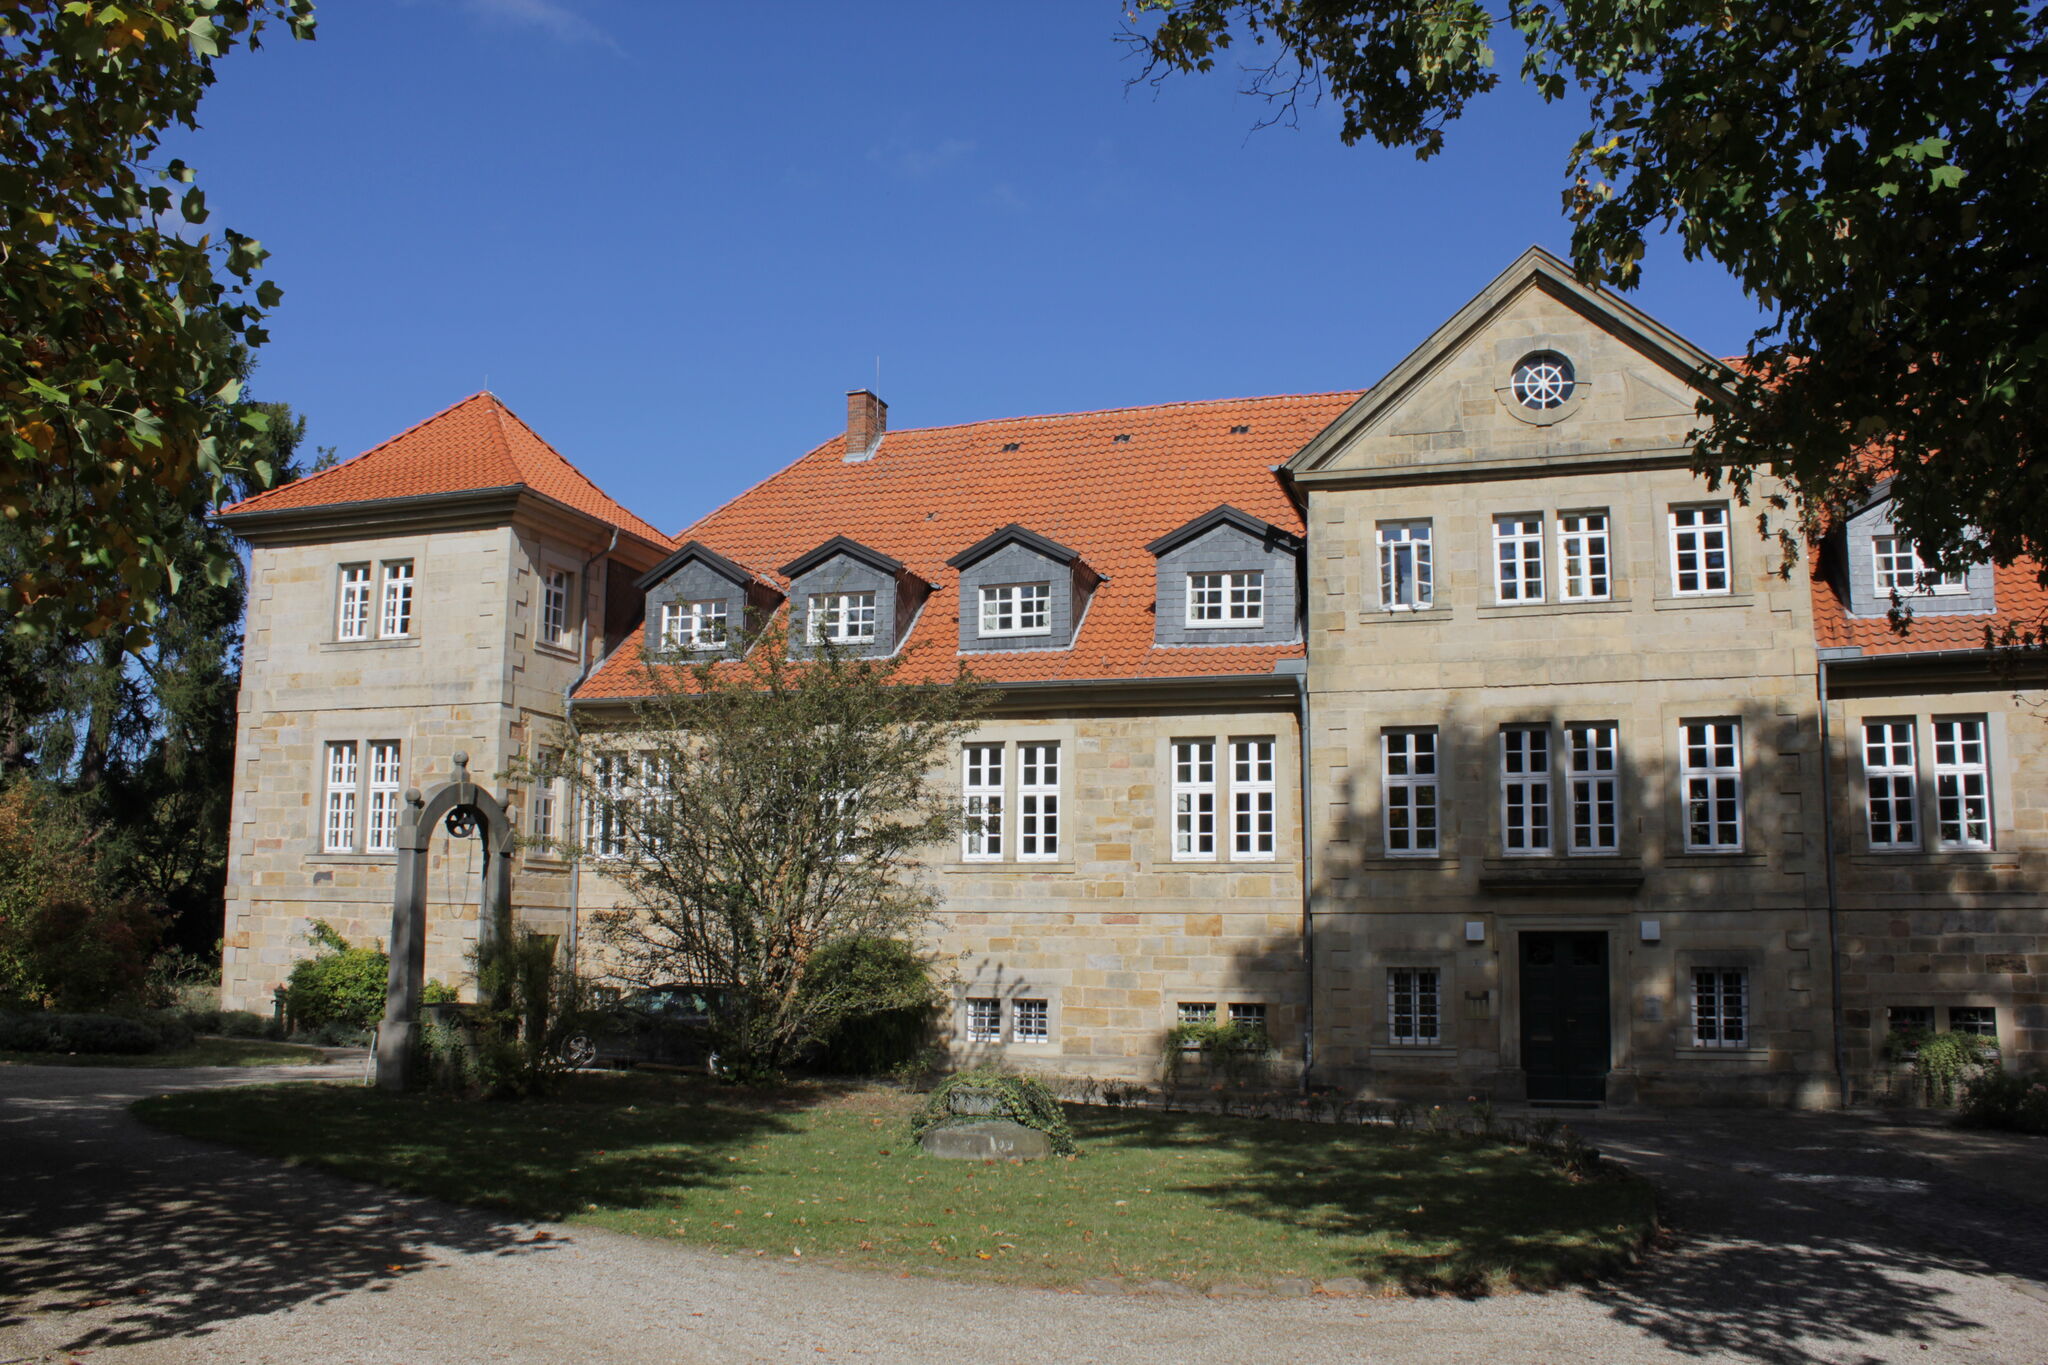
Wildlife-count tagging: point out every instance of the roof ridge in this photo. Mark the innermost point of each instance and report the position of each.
(1137, 407)
(684, 536)
(310, 479)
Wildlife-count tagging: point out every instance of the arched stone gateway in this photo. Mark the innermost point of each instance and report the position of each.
(468, 809)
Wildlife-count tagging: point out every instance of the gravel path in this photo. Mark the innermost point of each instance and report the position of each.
(1797, 1240)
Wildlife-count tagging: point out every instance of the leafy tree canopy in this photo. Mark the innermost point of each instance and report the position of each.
(123, 320)
(1872, 173)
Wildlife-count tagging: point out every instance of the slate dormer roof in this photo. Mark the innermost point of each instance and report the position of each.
(1226, 515)
(1103, 485)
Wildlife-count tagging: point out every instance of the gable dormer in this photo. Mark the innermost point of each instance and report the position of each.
(1019, 590)
(698, 602)
(1875, 560)
(854, 596)
(1227, 578)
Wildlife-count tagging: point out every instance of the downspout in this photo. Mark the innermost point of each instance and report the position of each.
(1827, 834)
(568, 702)
(1308, 922)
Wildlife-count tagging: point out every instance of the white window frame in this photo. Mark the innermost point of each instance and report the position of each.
(1411, 775)
(984, 1019)
(339, 808)
(1195, 1012)
(1962, 783)
(545, 802)
(1026, 606)
(982, 769)
(1194, 800)
(385, 768)
(1249, 1014)
(1038, 801)
(1254, 799)
(352, 609)
(1896, 567)
(694, 625)
(1593, 796)
(557, 588)
(1720, 995)
(1031, 1020)
(839, 617)
(1406, 543)
(1698, 532)
(1703, 776)
(1233, 599)
(601, 827)
(1528, 825)
(1891, 785)
(394, 615)
(1415, 1006)
(1518, 558)
(1585, 557)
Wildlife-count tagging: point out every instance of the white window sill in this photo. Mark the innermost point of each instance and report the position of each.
(1504, 610)
(1224, 625)
(394, 642)
(353, 859)
(1389, 615)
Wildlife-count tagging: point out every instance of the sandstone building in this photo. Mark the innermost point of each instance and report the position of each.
(1452, 731)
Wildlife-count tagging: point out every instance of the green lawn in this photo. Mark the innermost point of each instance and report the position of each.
(830, 1174)
(203, 1052)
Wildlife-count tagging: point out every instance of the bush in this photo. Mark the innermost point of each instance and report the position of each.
(1946, 1060)
(1228, 1052)
(230, 1023)
(99, 1033)
(891, 1029)
(64, 943)
(174, 976)
(510, 1046)
(1021, 1099)
(2000, 1099)
(338, 991)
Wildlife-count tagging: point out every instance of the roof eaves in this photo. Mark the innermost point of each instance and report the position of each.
(1224, 515)
(697, 550)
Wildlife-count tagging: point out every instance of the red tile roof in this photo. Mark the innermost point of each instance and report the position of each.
(928, 494)
(2016, 588)
(475, 445)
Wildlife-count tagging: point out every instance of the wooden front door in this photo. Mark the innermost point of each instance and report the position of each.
(1565, 1044)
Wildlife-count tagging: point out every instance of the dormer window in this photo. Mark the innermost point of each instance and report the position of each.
(841, 618)
(1016, 609)
(693, 625)
(1227, 599)
(1899, 569)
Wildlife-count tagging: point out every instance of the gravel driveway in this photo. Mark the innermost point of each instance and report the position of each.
(1798, 1239)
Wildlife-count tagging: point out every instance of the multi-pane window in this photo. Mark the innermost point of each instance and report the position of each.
(1038, 801)
(384, 797)
(1406, 579)
(1720, 1007)
(1413, 1018)
(1196, 1012)
(554, 606)
(603, 820)
(1518, 557)
(338, 833)
(981, 796)
(396, 618)
(1030, 1022)
(1898, 568)
(1248, 1016)
(1251, 799)
(984, 1019)
(1699, 550)
(1962, 783)
(1981, 1020)
(1524, 790)
(1583, 558)
(841, 618)
(353, 620)
(1889, 779)
(544, 810)
(1595, 794)
(1710, 780)
(1408, 774)
(1015, 609)
(1194, 799)
(1227, 599)
(693, 625)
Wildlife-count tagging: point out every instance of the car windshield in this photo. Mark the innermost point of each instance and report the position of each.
(681, 1002)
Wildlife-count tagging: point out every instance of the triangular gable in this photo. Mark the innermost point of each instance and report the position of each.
(1402, 404)
(1224, 515)
(840, 545)
(740, 575)
(1013, 534)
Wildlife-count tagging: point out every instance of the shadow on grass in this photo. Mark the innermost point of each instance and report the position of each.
(146, 1238)
(1432, 1214)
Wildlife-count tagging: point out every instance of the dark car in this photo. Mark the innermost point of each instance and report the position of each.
(664, 1025)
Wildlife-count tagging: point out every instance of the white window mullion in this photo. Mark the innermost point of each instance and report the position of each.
(385, 785)
(1408, 775)
(1962, 784)
(1525, 791)
(1413, 999)
(1194, 800)
(981, 796)
(1518, 558)
(1699, 550)
(1252, 800)
(1710, 779)
(1584, 562)
(1595, 788)
(1890, 778)
(1038, 802)
(353, 620)
(1016, 609)
(338, 833)
(1406, 577)
(1720, 1007)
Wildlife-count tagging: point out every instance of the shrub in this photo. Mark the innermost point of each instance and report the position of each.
(342, 985)
(2001, 1099)
(1021, 1099)
(1226, 1051)
(1945, 1060)
(889, 1030)
(511, 1045)
(100, 1033)
(63, 942)
(175, 975)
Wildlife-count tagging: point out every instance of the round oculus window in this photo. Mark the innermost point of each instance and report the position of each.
(1543, 380)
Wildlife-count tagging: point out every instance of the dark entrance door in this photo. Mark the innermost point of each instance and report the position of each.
(1565, 1046)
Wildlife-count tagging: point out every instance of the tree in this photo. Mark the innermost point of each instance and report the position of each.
(1871, 173)
(121, 324)
(755, 812)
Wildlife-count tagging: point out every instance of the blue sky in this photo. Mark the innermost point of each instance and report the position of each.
(672, 234)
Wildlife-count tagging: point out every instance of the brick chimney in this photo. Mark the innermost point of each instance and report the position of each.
(867, 417)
